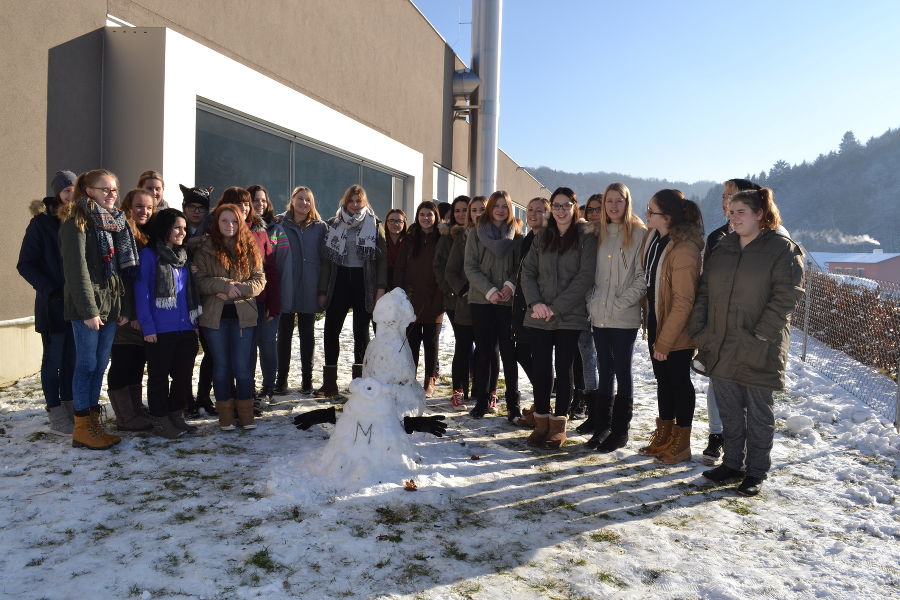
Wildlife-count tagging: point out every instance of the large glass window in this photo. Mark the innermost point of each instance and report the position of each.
(234, 152)
(231, 153)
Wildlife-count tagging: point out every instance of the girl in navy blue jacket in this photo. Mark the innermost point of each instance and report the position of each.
(167, 310)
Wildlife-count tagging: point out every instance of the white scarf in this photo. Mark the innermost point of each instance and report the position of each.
(366, 238)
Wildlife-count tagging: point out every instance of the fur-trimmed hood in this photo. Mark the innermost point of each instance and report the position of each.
(36, 207)
(444, 228)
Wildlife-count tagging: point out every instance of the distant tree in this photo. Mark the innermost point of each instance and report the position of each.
(779, 169)
(848, 143)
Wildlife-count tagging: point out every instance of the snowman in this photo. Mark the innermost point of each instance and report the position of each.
(370, 443)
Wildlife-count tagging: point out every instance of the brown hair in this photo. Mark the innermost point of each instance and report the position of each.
(552, 240)
(313, 214)
(150, 175)
(268, 214)
(351, 191)
(679, 209)
(127, 202)
(72, 210)
(470, 222)
(761, 200)
(235, 195)
(244, 257)
(630, 221)
(487, 217)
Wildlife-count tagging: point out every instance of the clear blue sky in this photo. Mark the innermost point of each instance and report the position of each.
(687, 90)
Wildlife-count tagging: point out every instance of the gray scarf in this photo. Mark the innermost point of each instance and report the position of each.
(366, 229)
(168, 259)
(499, 240)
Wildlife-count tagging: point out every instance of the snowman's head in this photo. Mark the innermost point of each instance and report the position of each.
(394, 310)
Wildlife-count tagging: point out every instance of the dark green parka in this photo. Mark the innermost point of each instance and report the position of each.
(741, 317)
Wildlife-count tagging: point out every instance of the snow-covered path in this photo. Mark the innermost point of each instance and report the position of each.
(237, 516)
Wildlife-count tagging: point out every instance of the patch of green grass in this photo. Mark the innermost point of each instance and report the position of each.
(36, 562)
(737, 507)
(651, 575)
(173, 485)
(183, 517)
(39, 436)
(250, 524)
(388, 515)
(382, 563)
(451, 550)
(66, 472)
(101, 531)
(610, 537)
(263, 560)
(466, 589)
(611, 579)
(392, 537)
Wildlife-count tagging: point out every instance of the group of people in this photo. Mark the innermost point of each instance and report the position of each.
(137, 283)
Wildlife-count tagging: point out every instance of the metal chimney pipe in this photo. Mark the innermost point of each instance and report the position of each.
(487, 18)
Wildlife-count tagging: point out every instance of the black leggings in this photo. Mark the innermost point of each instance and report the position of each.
(491, 325)
(543, 344)
(424, 334)
(349, 292)
(126, 365)
(674, 389)
(305, 327)
(464, 358)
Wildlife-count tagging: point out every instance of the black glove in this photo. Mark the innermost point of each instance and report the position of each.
(434, 425)
(314, 417)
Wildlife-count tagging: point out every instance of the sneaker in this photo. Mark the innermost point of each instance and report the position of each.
(458, 400)
(722, 474)
(492, 405)
(750, 486)
(713, 449)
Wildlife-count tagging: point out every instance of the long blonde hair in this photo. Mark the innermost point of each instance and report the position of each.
(313, 214)
(629, 222)
(73, 210)
(127, 202)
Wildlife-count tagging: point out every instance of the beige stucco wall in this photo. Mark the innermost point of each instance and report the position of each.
(26, 358)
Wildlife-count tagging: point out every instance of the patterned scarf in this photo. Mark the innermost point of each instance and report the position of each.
(113, 236)
(166, 290)
(499, 240)
(364, 224)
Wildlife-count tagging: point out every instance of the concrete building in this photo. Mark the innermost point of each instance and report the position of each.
(324, 93)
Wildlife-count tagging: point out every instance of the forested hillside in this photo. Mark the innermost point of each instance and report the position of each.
(844, 201)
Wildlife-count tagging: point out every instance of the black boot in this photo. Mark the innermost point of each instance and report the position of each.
(306, 386)
(590, 403)
(713, 449)
(482, 405)
(329, 384)
(513, 411)
(280, 386)
(357, 370)
(602, 418)
(206, 404)
(623, 406)
(577, 408)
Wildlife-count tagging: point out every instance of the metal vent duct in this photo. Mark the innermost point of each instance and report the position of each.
(487, 18)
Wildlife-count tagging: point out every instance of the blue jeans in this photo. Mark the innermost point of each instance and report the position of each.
(614, 352)
(264, 342)
(91, 357)
(57, 363)
(712, 410)
(231, 348)
(588, 353)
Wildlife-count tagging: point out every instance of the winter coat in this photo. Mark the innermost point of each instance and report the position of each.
(713, 239)
(415, 274)
(455, 275)
(619, 281)
(392, 251)
(87, 292)
(374, 270)
(40, 264)
(153, 319)
(561, 281)
(487, 272)
(301, 269)
(519, 305)
(676, 285)
(127, 334)
(212, 277)
(271, 294)
(440, 265)
(741, 318)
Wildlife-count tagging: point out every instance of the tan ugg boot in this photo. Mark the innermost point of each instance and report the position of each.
(527, 418)
(541, 429)
(128, 418)
(245, 414)
(225, 408)
(86, 435)
(164, 428)
(95, 420)
(556, 434)
(660, 438)
(679, 449)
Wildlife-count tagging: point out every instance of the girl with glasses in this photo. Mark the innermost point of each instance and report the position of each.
(395, 228)
(557, 274)
(671, 262)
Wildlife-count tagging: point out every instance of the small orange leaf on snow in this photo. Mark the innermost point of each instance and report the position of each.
(475, 457)
(410, 486)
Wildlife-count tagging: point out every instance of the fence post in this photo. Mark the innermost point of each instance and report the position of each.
(808, 300)
(897, 400)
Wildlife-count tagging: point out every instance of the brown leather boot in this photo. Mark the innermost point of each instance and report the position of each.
(527, 418)
(660, 438)
(86, 435)
(245, 413)
(95, 420)
(225, 408)
(329, 382)
(541, 429)
(429, 387)
(556, 434)
(679, 449)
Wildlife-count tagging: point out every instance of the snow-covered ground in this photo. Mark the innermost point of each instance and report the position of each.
(238, 515)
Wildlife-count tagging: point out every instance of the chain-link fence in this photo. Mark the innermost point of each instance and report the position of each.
(851, 334)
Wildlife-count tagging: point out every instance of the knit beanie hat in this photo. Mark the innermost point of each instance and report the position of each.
(196, 195)
(61, 181)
